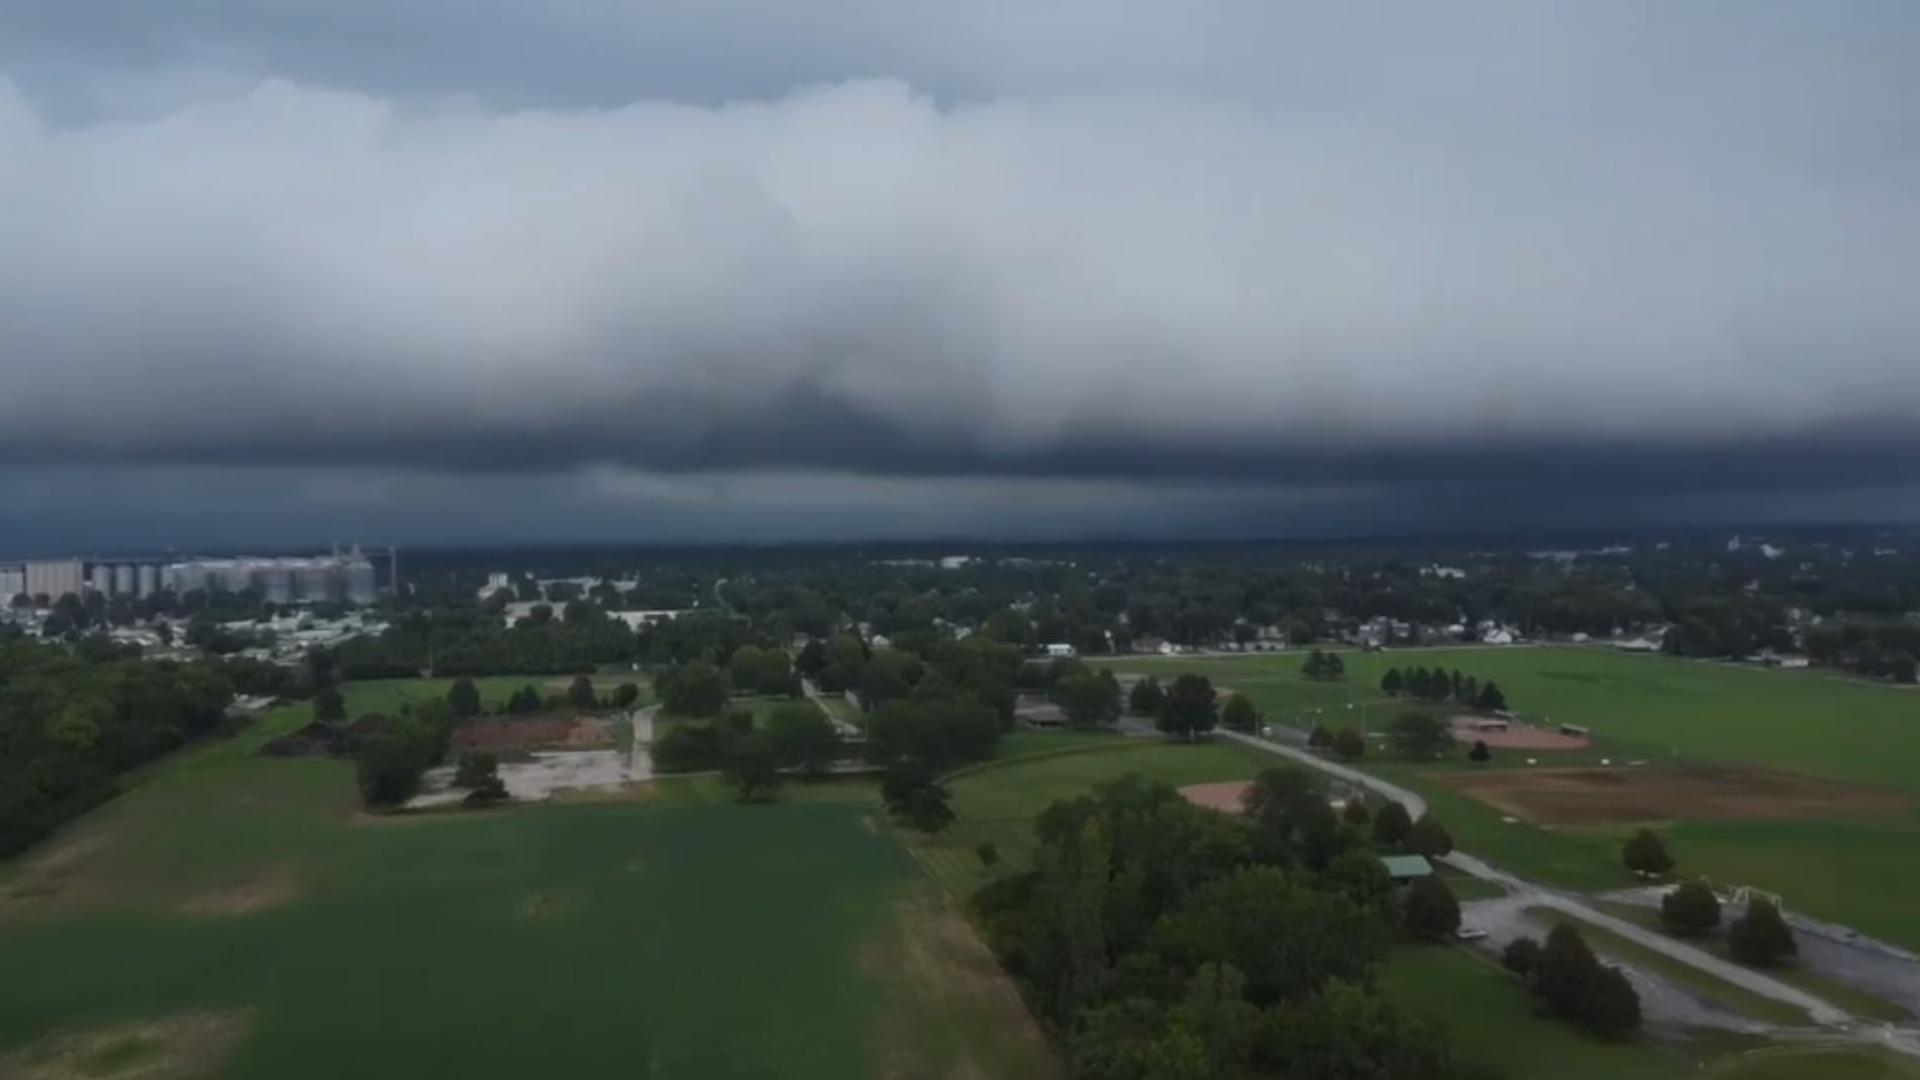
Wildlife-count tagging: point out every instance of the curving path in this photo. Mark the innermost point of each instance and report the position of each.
(1904, 1040)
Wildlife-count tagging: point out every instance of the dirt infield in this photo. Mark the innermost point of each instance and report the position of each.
(1517, 737)
(1223, 796)
(1662, 792)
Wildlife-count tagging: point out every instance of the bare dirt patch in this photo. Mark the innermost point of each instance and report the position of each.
(546, 732)
(188, 1045)
(1516, 737)
(952, 1012)
(270, 888)
(51, 874)
(1661, 792)
(1224, 796)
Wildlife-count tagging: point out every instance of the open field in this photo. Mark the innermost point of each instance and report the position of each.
(1663, 792)
(1837, 865)
(237, 916)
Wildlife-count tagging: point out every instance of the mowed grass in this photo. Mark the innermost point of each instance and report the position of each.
(1854, 871)
(672, 937)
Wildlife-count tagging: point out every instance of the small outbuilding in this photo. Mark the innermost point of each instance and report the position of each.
(1404, 868)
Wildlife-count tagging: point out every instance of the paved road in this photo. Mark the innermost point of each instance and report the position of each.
(640, 761)
(1904, 1040)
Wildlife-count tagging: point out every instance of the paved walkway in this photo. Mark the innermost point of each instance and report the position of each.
(1904, 1040)
(640, 761)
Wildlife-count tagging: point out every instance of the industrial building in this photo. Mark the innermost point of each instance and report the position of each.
(348, 578)
(338, 577)
(55, 578)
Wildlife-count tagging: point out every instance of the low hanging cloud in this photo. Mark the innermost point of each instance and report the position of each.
(856, 277)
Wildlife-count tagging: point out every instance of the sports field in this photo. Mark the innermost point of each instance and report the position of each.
(1845, 757)
(236, 916)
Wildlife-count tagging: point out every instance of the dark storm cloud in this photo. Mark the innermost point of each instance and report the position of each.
(1634, 249)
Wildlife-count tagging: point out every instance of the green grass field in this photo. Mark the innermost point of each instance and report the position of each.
(1855, 871)
(237, 916)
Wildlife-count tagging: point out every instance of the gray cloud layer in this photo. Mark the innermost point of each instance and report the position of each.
(1636, 247)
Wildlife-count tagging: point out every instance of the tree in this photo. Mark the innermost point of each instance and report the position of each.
(1391, 825)
(1320, 738)
(474, 769)
(625, 695)
(696, 688)
(803, 738)
(1390, 682)
(989, 853)
(1355, 812)
(1491, 698)
(1691, 910)
(1520, 956)
(1761, 937)
(464, 698)
(747, 762)
(1349, 744)
(1431, 912)
(1646, 855)
(1901, 666)
(1576, 987)
(1088, 700)
(1239, 714)
(524, 701)
(580, 693)
(1479, 755)
(1428, 837)
(927, 810)
(1146, 697)
(329, 706)
(1420, 736)
(1189, 709)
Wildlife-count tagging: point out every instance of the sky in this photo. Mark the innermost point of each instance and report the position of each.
(287, 272)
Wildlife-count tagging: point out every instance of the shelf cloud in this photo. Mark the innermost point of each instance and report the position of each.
(1651, 250)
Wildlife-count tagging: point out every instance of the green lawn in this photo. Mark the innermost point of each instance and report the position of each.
(1657, 708)
(680, 936)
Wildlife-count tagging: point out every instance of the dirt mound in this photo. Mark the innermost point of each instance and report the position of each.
(1224, 796)
(1664, 792)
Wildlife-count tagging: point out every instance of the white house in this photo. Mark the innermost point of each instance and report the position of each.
(1059, 648)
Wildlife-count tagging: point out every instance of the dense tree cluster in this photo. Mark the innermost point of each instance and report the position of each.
(1440, 686)
(1573, 985)
(394, 752)
(1157, 939)
(74, 717)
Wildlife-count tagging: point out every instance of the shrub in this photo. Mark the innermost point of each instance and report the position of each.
(1691, 910)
